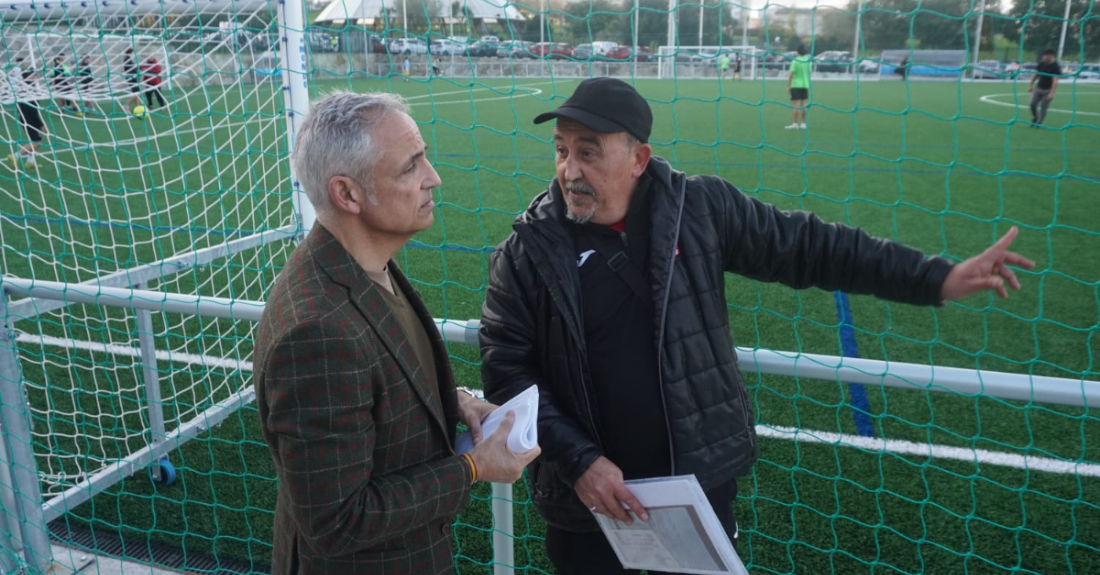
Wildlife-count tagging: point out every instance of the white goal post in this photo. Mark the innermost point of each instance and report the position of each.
(139, 204)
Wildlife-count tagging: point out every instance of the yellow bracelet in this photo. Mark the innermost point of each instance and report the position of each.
(473, 467)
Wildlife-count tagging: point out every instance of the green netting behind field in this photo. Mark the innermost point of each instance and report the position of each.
(852, 479)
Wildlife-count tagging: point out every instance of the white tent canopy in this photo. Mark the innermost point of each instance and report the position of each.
(353, 10)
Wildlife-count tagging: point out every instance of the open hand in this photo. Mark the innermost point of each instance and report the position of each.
(986, 271)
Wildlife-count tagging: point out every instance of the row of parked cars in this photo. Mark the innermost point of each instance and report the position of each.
(995, 70)
(492, 47)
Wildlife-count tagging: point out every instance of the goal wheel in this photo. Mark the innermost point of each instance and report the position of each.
(167, 473)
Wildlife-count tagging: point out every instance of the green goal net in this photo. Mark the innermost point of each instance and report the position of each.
(960, 444)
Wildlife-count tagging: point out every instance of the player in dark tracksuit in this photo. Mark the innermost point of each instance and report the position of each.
(1046, 76)
(133, 78)
(84, 85)
(29, 115)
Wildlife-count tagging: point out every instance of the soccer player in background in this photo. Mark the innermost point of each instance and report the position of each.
(133, 78)
(152, 70)
(799, 85)
(84, 87)
(29, 115)
(61, 78)
(1046, 75)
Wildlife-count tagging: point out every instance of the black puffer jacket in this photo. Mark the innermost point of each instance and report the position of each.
(702, 227)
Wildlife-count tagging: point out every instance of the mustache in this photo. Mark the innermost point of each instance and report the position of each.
(579, 187)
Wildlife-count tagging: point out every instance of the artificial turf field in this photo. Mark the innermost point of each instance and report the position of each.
(947, 167)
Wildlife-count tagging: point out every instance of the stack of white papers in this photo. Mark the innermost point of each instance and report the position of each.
(683, 535)
(525, 432)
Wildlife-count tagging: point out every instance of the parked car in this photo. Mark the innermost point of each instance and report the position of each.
(594, 50)
(1089, 72)
(552, 51)
(628, 53)
(841, 63)
(987, 69)
(447, 47)
(515, 49)
(524, 50)
(377, 45)
(409, 46)
(481, 50)
(833, 56)
(868, 66)
(774, 61)
(504, 49)
(489, 39)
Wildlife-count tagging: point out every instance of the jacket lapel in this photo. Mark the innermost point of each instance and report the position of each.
(367, 298)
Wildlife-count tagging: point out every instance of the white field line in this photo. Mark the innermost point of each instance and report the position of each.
(527, 91)
(868, 444)
(902, 447)
(988, 99)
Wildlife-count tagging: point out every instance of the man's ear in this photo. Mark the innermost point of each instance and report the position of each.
(345, 194)
(642, 153)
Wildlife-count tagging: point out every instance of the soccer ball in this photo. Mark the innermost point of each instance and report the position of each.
(139, 111)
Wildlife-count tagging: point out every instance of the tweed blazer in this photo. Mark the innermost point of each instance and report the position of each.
(368, 480)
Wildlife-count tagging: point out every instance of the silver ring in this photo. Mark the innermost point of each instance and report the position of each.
(592, 509)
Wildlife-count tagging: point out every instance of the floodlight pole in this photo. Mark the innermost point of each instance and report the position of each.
(634, 50)
(1065, 24)
(859, 30)
(978, 38)
(702, 4)
(745, 23)
(672, 29)
(672, 35)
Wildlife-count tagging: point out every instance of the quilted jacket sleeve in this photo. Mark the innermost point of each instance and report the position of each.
(798, 249)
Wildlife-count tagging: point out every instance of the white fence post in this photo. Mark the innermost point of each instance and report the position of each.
(504, 539)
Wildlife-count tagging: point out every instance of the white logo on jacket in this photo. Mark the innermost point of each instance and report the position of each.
(584, 257)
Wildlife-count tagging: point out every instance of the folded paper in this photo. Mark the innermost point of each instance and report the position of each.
(525, 432)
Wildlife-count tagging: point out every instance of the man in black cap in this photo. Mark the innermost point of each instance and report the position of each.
(610, 296)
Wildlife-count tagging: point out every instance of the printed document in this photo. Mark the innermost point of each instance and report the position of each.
(683, 534)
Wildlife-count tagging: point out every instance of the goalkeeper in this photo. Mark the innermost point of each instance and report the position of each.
(610, 296)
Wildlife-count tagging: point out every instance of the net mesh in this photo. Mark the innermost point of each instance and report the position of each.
(853, 479)
(125, 180)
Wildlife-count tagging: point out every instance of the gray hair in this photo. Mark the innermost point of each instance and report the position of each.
(338, 140)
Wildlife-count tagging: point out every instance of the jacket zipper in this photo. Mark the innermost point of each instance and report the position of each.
(661, 327)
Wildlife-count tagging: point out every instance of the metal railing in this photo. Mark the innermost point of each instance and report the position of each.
(20, 492)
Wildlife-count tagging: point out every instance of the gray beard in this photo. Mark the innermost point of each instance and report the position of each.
(580, 218)
(586, 216)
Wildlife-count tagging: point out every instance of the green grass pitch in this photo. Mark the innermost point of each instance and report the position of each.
(947, 167)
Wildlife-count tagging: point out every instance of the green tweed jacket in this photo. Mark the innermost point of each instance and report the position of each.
(368, 480)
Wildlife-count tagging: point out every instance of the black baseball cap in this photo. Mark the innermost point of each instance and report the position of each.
(608, 106)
